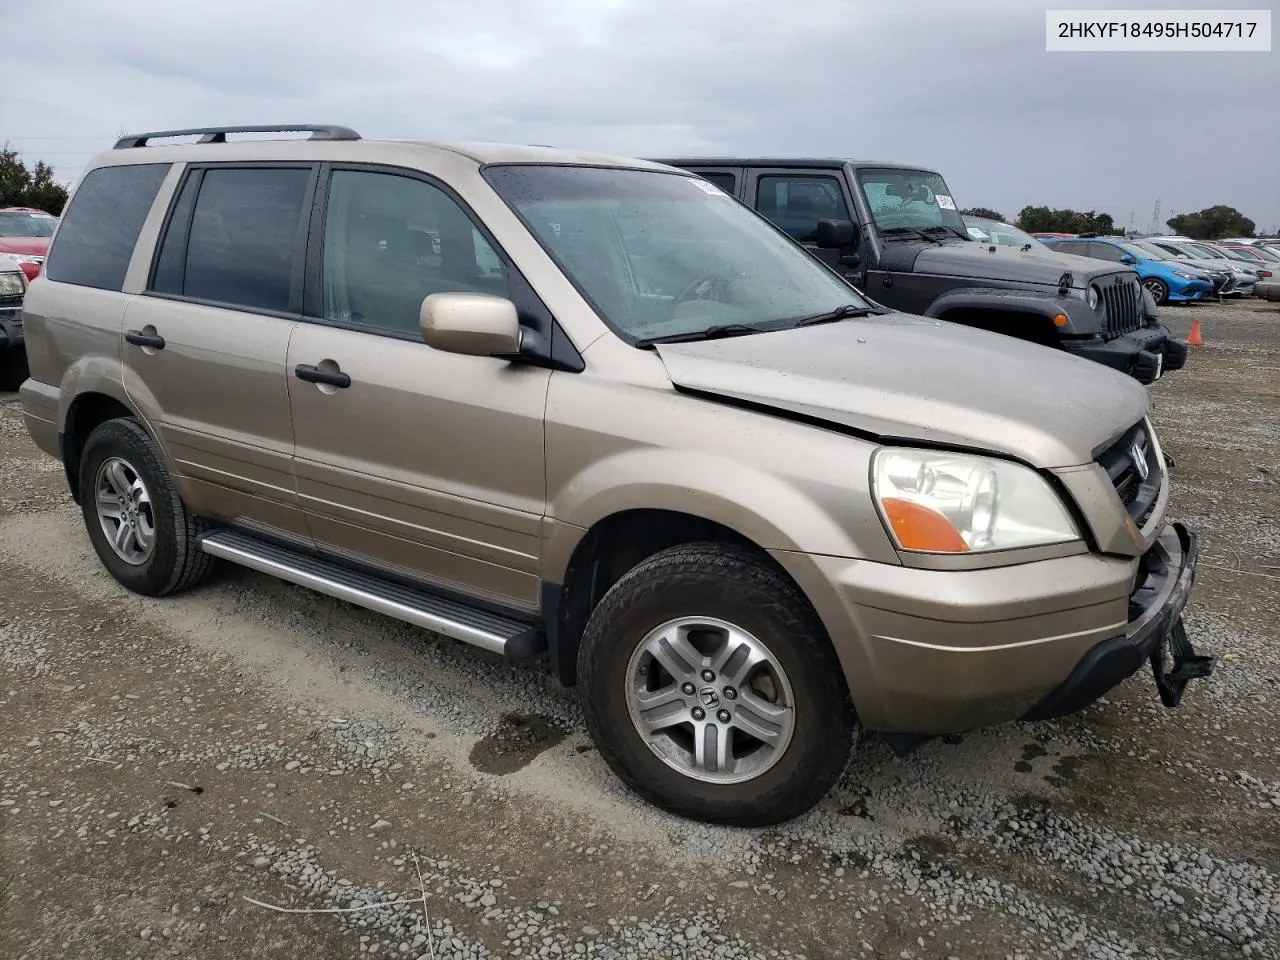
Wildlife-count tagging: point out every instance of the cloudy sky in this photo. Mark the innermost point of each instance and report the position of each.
(964, 87)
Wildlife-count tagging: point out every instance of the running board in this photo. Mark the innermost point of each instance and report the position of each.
(513, 638)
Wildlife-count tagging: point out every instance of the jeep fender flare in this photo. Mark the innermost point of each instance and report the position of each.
(1044, 306)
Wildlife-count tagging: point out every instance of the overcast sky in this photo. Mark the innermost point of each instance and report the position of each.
(966, 88)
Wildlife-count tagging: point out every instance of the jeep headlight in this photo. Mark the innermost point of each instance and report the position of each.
(941, 502)
(1092, 297)
(12, 284)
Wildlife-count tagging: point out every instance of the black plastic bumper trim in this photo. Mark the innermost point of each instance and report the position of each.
(1117, 658)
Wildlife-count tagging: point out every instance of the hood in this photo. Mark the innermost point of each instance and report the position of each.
(980, 261)
(906, 377)
(32, 246)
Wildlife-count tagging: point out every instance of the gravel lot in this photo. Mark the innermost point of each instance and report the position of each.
(165, 764)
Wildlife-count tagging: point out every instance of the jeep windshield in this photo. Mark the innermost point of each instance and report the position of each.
(904, 201)
(665, 256)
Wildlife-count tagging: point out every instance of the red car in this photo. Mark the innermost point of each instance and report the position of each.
(25, 233)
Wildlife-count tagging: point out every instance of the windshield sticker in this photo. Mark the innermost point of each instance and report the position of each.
(945, 202)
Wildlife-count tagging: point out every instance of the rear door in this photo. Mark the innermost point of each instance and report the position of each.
(728, 179)
(205, 346)
(422, 464)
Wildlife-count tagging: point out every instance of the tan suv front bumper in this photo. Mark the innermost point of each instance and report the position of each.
(933, 652)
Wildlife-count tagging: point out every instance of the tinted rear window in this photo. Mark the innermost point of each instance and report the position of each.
(242, 240)
(101, 225)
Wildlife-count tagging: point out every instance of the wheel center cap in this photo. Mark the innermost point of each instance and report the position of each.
(709, 697)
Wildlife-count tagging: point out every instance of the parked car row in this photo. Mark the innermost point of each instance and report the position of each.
(547, 402)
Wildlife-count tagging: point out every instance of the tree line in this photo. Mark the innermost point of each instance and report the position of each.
(1211, 223)
(23, 186)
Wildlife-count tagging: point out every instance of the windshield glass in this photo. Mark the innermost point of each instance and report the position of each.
(1146, 251)
(660, 254)
(1261, 253)
(26, 224)
(993, 231)
(909, 198)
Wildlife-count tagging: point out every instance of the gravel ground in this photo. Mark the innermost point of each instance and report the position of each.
(172, 770)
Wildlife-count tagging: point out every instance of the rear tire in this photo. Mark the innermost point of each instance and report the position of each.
(781, 739)
(1158, 289)
(143, 533)
(13, 368)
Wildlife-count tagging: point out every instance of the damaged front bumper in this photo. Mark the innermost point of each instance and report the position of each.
(1155, 635)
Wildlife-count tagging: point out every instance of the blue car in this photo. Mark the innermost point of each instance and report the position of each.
(1167, 280)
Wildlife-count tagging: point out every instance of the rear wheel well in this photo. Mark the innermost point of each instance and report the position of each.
(610, 548)
(1014, 323)
(87, 412)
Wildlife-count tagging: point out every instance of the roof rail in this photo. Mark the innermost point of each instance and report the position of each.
(326, 131)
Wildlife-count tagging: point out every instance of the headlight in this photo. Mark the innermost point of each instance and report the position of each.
(1184, 276)
(940, 502)
(12, 284)
(1092, 297)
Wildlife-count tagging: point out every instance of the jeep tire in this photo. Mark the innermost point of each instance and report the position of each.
(710, 687)
(143, 533)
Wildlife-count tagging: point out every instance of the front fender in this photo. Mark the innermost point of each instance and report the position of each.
(768, 509)
(1081, 320)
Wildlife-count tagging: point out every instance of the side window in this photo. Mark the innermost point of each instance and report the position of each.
(390, 241)
(101, 225)
(1105, 251)
(1077, 247)
(243, 235)
(725, 181)
(796, 204)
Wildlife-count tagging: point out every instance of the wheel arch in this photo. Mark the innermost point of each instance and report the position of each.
(605, 551)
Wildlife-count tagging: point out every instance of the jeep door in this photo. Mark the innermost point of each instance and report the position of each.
(415, 462)
(205, 345)
(795, 201)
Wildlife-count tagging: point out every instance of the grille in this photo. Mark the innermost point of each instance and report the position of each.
(1123, 302)
(1136, 471)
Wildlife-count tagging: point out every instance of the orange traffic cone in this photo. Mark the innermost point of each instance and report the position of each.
(1194, 340)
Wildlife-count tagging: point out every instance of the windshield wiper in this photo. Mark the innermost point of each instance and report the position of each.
(839, 313)
(919, 233)
(709, 333)
(943, 226)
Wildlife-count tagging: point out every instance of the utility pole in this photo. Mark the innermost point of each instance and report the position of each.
(1155, 218)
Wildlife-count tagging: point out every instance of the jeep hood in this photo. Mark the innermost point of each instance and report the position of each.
(907, 378)
(976, 260)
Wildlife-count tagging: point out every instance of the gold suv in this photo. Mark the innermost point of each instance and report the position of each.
(547, 402)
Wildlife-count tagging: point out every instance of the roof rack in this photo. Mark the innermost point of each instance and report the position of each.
(326, 131)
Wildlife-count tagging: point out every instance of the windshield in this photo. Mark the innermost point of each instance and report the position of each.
(1260, 253)
(909, 198)
(1146, 251)
(660, 254)
(27, 224)
(993, 231)
(1201, 253)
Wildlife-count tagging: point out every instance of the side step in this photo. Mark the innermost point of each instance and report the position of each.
(515, 639)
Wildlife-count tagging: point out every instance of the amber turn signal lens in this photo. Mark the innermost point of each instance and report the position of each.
(1060, 320)
(921, 528)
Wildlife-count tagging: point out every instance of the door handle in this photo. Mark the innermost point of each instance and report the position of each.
(140, 339)
(313, 374)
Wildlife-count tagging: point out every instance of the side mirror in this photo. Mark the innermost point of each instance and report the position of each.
(837, 235)
(474, 324)
(1128, 258)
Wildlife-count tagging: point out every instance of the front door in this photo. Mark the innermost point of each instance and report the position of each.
(427, 465)
(795, 202)
(205, 346)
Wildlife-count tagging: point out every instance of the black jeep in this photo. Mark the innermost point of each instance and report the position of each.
(895, 232)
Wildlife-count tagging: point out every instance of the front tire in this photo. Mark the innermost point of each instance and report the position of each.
(710, 688)
(1158, 289)
(143, 533)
